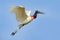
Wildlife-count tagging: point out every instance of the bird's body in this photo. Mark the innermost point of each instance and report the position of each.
(23, 16)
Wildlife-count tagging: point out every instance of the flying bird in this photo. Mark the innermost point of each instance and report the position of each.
(23, 16)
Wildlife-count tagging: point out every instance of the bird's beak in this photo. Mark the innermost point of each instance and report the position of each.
(40, 12)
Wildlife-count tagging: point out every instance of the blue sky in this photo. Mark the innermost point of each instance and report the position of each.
(45, 27)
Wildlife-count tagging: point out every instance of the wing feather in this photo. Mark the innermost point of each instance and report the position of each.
(28, 12)
(20, 13)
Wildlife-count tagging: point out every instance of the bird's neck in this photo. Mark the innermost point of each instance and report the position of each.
(33, 17)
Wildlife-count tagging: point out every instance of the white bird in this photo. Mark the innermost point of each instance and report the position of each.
(23, 16)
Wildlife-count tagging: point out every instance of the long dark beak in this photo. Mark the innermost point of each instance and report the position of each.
(39, 12)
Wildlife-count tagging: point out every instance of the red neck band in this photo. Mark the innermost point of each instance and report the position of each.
(33, 17)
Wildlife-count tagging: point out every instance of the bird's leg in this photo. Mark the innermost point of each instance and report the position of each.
(19, 27)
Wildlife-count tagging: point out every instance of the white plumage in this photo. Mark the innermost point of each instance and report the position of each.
(22, 15)
(20, 12)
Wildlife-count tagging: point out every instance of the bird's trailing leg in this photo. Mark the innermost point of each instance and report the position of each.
(19, 27)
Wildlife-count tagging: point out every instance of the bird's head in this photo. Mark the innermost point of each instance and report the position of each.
(35, 14)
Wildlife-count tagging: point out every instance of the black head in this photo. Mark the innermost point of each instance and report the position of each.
(37, 12)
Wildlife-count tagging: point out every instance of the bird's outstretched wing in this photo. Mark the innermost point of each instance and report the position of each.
(28, 12)
(20, 13)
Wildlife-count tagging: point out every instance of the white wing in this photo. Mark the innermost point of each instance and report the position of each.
(20, 13)
(28, 12)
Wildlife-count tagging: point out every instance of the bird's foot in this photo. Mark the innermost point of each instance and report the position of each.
(13, 33)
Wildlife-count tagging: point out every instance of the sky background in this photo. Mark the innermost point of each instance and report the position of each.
(44, 27)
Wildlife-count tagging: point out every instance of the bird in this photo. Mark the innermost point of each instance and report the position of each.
(23, 16)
